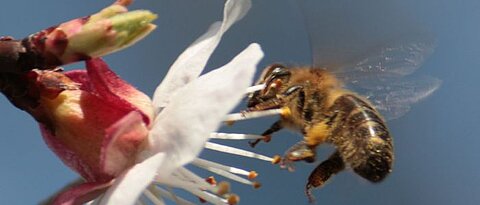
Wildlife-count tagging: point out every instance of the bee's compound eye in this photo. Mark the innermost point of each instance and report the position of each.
(277, 70)
(280, 71)
(269, 71)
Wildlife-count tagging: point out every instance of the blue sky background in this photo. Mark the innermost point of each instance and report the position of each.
(436, 143)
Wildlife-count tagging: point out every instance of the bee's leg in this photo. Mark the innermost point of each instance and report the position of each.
(305, 149)
(297, 152)
(323, 172)
(275, 127)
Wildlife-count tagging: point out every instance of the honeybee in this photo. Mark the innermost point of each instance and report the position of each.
(319, 103)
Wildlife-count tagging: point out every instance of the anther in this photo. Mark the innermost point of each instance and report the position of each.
(256, 185)
(233, 199)
(276, 159)
(252, 175)
(223, 188)
(211, 180)
(229, 122)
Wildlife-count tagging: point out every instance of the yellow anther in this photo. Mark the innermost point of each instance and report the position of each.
(223, 188)
(276, 159)
(252, 175)
(233, 199)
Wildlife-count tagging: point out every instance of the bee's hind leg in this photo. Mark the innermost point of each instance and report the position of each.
(323, 172)
(275, 127)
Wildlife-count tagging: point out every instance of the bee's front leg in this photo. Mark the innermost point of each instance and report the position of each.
(273, 103)
(323, 172)
(275, 127)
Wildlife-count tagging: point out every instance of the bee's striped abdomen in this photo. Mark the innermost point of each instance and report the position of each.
(362, 137)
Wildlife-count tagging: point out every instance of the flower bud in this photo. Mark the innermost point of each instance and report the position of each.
(107, 31)
(110, 30)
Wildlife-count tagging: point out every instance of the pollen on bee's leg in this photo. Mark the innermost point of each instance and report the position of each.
(285, 112)
(255, 88)
(252, 114)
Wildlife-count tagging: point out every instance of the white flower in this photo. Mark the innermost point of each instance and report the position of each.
(189, 108)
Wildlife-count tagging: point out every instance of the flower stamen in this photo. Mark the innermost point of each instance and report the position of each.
(255, 88)
(223, 188)
(153, 198)
(207, 196)
(162, 193)
(234, 136)
(236, 151)
(222, 170)
(276, 159)
(252, 114)
(233, 199)
(205, 163)
(207, 190)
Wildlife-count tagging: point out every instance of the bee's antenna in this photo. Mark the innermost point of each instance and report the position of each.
(301, 10)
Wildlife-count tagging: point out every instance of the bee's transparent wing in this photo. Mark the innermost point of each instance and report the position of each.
(373, 47)
(391, 61)
(394, 96)
(384, 77)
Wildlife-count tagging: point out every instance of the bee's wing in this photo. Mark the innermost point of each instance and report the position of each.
(384, 77)
(373, 48)
(394, 96)
(390, 61)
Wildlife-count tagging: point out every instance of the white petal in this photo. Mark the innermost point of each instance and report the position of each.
(192, 61)
(127, 188)
(198, 108)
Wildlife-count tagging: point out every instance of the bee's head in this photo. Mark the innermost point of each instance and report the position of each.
(274, 77)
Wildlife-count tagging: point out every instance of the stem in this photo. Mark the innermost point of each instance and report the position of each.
(9, 54)
(16, 88)
(17, 56)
